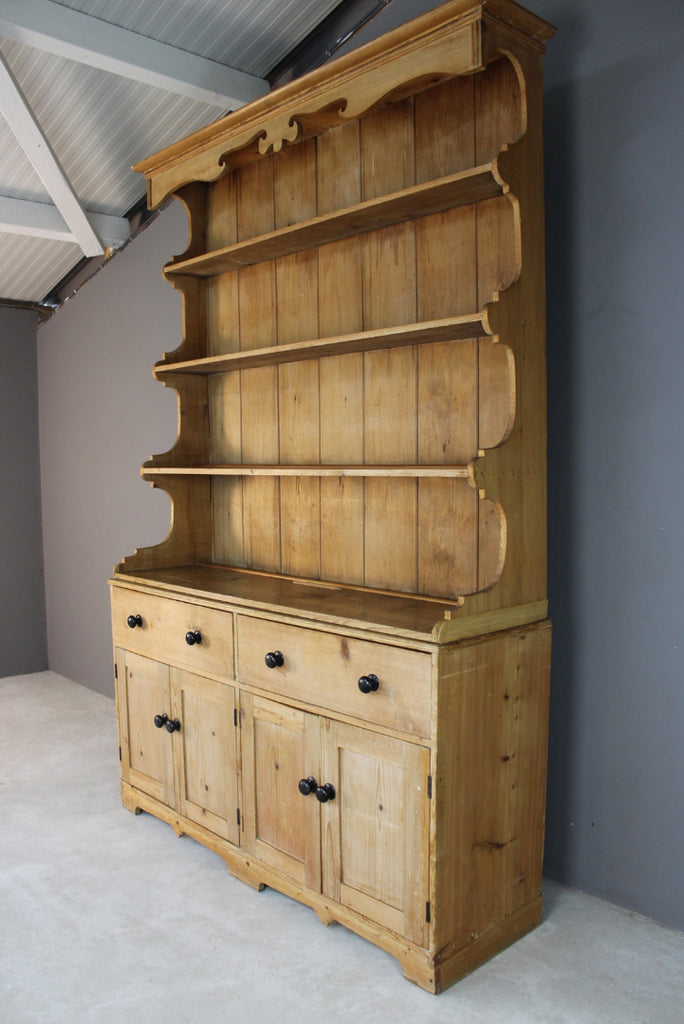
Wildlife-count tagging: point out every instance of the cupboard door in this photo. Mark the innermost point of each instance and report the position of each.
(281, 746)
(375, 831)
(144, 692)
(207, 752)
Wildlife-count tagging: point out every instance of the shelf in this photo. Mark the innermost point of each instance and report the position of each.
(412, 616)
(317, 471)
(461, 189)
(454, 328)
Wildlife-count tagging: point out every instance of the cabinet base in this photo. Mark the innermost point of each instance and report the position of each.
(465, 959)
(431, 971)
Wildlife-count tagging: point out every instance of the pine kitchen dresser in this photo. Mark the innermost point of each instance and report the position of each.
(334, 671)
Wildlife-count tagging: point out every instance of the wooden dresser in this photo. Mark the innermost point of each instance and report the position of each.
(334, 671)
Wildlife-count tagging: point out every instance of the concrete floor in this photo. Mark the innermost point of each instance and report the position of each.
(106, 917)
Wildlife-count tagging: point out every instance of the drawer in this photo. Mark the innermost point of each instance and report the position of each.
(162, 635)
(324, 669)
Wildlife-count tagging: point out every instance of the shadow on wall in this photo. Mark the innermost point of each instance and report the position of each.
(559, 138)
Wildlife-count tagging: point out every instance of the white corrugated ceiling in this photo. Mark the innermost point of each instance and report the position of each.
(97, 122)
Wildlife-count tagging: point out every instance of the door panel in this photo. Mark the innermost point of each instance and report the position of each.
(281, 746)
(375, 834)
(207, 746)
(143, 690)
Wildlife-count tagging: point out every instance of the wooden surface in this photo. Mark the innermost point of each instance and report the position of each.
(492, 713)
(472, 790)
(207, 756)
(284, 470)
(368, 356)
(143, 691)
(280, 746)
(322, 670)
(375, 864)
(358, 483)
(419, 620)
(461, 189)
(354, 848)
(448, 329)
(193, 770)
(441, 44)
(164, 627)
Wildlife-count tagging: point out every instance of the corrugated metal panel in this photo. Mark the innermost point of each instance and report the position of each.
(17, 175)
(31, 267)
(99, 124)
(251, 35)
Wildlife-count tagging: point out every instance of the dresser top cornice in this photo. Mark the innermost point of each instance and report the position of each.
(451, 40)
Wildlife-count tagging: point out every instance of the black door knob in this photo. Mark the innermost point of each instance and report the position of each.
(369, 683)
(173, 725)
(160, 720)
(274, 659)
(134, 620)
(325, 792)
(307, 786)
(193, 636)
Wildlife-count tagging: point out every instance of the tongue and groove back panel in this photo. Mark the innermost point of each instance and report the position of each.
(436, 404)
(422, 454)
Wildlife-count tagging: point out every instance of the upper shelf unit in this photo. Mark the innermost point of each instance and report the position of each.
(360, 374)
(460, 189)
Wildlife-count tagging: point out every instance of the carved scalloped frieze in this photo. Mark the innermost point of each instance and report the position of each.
(429, 63)
(283, 115)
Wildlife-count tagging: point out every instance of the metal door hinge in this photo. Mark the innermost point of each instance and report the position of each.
(427, 912)
(238, 817)
(235, 717)
(429, 787)
(116, 671)
(119, 753)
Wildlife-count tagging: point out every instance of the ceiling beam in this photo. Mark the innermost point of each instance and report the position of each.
(20, 118)
(43, 220)
(87, 40)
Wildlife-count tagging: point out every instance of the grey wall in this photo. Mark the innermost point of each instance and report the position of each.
(101, 416)
(615, 78)
(616, 370)
(23, 646)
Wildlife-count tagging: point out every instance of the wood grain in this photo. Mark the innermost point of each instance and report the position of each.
(492, 711)
(403, 204)
(206, 747)
(359, 484)
(340, 271)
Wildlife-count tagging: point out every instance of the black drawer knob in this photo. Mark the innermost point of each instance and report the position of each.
(173, 725)
(160, 720)
(369, 683)
(308, 786)
(193, 636)
(325, 792)
(134, 620)
(274, 659)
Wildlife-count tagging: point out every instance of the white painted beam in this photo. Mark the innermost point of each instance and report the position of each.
(88, 40)
(19, 117)
(43, 220)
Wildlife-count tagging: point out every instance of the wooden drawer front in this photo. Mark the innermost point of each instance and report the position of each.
(323, 669)
(165, 623)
